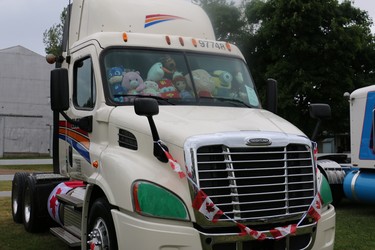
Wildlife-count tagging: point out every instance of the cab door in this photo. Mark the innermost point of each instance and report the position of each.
(83, 92)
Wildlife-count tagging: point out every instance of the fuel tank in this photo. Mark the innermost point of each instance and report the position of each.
(359, 185)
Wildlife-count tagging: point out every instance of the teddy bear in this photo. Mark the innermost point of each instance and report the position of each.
(203, 82)
(223, 83)
(115, 75)
(166, 87)
(133, 83)
(152, 88)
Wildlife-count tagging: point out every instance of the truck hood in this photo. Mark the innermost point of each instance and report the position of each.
(176, 123)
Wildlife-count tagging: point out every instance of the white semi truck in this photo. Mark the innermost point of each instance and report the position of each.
(160, 142)
(354, 177)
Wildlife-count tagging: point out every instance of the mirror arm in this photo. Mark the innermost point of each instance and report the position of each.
(85, 123)
(316, 129)
(158, 146)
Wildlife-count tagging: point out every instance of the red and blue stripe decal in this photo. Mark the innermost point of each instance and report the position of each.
(76, 137)
(159, 18)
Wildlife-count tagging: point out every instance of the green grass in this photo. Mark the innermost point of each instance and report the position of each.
(5, 185)
(25, 156)
(355, 226)
(13, 236)
(34, 168)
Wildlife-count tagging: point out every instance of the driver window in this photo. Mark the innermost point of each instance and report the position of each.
(84, 85)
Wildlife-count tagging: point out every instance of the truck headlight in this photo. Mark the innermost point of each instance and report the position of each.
(150, 199)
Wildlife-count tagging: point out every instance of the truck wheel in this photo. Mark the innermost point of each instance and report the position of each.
(337, 191)
(18, 185)
(31, 219)
(101, 230)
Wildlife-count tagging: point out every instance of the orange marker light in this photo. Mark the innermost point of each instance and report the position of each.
(194, 42)
(168, 39)
(95, 164)
(125, 37)
(228, 46)
(181, 41)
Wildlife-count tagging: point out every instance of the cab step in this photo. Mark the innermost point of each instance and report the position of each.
(70, 200)
(68, 238)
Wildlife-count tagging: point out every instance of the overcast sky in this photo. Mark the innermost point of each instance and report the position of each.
(22, 22)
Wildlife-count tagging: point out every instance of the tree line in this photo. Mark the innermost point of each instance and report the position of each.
(317, 50)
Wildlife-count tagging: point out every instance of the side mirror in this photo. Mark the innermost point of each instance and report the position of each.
(149, 107)
(59, 90)
(146, 106)
(319, 111)
(272, 95)
(60, 98)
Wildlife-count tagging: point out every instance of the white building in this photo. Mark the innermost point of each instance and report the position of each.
(25, 114)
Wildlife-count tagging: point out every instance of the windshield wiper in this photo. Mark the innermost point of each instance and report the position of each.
(132, 97)
(224, 99)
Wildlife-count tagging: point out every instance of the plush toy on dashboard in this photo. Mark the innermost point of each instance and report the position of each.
(203, 83)
(179, 82)
(166, 88)
(244, 92)
(133, 82)
(115, 76)
(156, 72)
(169, 66)
(223, 83)
(151, 89)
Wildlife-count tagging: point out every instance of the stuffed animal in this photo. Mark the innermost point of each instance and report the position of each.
(241, 88)
(203, 82)
(179, 82)
(115, 76)
(133, 82)
(152, 88)
(238, 76)
(223, 83)
(167, 89)
(156, 72)
(169, 66)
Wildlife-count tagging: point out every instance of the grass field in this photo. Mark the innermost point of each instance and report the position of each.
(355, 230)
(13, 236)
(34, 168)
(355, 225)
(5, 185)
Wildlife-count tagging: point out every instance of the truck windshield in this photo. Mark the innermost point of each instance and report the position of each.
(178, 78)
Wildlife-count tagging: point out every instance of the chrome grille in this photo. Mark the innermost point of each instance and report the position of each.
(257, 183)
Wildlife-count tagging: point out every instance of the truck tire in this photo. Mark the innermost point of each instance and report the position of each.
(335, 177)
(101, 230)
(18, 186)
(32, 220)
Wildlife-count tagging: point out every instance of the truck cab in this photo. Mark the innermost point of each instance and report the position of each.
(164, 130)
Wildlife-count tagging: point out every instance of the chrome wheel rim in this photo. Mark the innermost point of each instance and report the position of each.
(99, 236)
(15, 198)
(27, 209)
